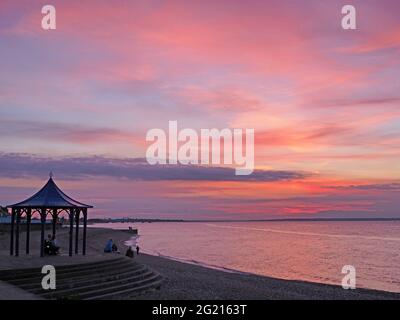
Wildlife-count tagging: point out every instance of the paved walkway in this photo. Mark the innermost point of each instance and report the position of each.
(10, 292)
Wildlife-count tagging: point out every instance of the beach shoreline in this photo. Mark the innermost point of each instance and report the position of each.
(184, 281)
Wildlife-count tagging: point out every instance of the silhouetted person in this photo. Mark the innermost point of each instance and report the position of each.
(47, 245)
(109, 246)
(50, 246)
(114, 248)
(137, 249)
(129, 253)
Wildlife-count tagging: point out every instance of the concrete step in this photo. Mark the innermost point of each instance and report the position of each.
(98, 280)
(28, 278)
(130, 292)
(113, 290)
(96, 286)
(68, 282)
(5, 275)
(68, 266)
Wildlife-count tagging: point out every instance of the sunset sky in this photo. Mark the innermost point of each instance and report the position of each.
(324, 103)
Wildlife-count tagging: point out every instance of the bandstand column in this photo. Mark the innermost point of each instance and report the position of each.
(54, 221)
(28, 229)
(77, 213)
(43, 225)
(17, 232)
(84, 231)
(71, 229)
(12, 232)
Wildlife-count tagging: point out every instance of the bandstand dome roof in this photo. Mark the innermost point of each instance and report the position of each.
(50, 196)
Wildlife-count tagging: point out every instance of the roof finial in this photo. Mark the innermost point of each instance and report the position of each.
(51, 174)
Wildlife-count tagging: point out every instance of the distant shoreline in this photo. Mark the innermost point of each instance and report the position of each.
(122, 220)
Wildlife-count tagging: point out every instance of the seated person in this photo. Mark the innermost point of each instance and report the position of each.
(109, 246)
(51, 245)
(114, 248)
(47, 245)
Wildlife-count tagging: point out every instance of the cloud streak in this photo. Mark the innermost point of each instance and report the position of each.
(63, 132)
(395, 187)
(24, 165)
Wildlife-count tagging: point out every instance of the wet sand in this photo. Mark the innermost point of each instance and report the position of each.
(184, 280)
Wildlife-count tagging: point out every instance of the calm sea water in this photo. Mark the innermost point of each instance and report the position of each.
(311, 251)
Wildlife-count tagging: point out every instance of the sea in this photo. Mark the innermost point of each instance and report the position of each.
(316, 251)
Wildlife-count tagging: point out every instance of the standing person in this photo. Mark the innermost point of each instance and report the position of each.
(137, 249)
(129, 252)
